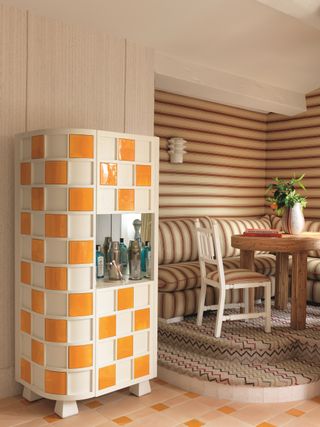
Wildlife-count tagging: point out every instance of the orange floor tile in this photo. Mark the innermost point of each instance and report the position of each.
(166, 406)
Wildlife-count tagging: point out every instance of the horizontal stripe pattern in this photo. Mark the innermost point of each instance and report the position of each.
(239, 276)
(226, 152)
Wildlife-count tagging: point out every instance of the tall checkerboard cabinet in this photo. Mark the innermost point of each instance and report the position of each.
(78, 337)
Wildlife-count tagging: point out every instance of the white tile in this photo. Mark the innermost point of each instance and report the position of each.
(56, 199)
(56, 251)
(37, 376)
(80, 226)
(37, 326)
(123, 371)
(80, 172)
(79, 382)
(56, 356)
(141, 343)
(105, 301)
(26, 149)
(106, 148)
(80, 278)
(141, 296)
(25, 198)
(124, 323)
(25, 345)
(125, 175)
(142, 199)
(143, 152)
(25, 243)
(56, 303)
(105, 352)
(79, 330)
(38, 172)
(37, 276)
(56, 146)
(25, 296)
(106, 200)
(38, 224)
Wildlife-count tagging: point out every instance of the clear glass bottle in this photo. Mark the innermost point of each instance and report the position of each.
(99, 263)
(123, 257)
(145, 259)
(107, 254)
(134, 253)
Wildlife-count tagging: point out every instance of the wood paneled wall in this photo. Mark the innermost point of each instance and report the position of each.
(223, 173)
(57, 75)
(293, 148)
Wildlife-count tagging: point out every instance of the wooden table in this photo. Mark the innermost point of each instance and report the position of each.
(298, 245)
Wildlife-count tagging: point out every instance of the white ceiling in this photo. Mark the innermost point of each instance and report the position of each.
(273, 42)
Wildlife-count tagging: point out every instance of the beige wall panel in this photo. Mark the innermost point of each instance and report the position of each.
(313, 100)
(195, 201)
(196, 190)
(292, 144)
(301, 153)
(75, 78)
(294, 124)
(139, 100)
(193, 168)
(294, 133)
(13, 30)
(210, 180)
(311, 112)
(177, 211)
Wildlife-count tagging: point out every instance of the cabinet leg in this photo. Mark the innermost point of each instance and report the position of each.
(30, 395)
(141, 389)
(66, 409)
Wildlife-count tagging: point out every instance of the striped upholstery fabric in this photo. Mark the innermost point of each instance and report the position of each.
(263, 263)
(239, 275)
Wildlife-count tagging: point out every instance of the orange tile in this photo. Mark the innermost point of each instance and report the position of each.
(125, 298)
(81, 146)
(37, 147)
(159, 407)
(295, 412)
(80, 356)
(191, 394)
(25, 272)
(37, 199)
(194, 423)
(25, 370)
(55, 382)
(80, 199)
(25, 223)
(52, 418)
(125, 200)
(121, 421)
(37, 352)
(80, 304)
(25, 321)
(56, 172)
(265, 424)
(56, 330)
(108, 174)
(93, 404)
(126, 149)
(141, 366)
(107, 327)
(37, 250)
(107, 376)
(81, 252)
(226, 410)
(56, 278)
(143, 175)
(37, 301)
(25, 173)
(142, 319)
(56, 225)
(124, 347)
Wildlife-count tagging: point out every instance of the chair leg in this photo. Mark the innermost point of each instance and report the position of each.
(246, 300)
(222, 299)
(201, 302)
(267, 308)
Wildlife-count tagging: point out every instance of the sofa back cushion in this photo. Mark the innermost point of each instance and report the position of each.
(177, 238)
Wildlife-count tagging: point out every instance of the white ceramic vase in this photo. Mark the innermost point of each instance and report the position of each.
(293, 220)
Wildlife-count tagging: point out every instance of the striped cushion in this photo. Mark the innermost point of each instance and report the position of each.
(238, 275)
(263, 263)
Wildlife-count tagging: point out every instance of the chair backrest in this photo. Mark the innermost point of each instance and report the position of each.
(209, 249)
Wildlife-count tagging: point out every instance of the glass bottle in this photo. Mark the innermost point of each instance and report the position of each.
(123, 257)
(99, 263)
(134, 254)
(147, 257)
(107, 254)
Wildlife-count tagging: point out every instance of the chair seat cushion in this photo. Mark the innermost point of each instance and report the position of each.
(264, 263)
(239, 275)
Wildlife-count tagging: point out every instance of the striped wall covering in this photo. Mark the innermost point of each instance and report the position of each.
(223, 173)
(293, 146)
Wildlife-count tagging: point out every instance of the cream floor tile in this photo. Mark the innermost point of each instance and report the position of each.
(155, 420)
(213, 402)
(176, 400)
(227, 421)
(187, 411)
(280, 419)
(120, 407)
(256, 413)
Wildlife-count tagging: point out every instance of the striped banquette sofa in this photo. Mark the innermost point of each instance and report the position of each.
(179, 271)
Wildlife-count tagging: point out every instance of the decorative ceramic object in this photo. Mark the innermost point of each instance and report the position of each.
(293, 219)
(176, 149)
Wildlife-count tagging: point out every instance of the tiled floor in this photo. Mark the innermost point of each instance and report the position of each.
(166, 406)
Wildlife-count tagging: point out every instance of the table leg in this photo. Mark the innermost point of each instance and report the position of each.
(299, 290)
(247, 261)
(282, 279)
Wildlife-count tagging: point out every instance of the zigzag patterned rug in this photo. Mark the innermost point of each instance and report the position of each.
(245, 354)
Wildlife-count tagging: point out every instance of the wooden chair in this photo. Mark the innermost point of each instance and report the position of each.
(209, 251)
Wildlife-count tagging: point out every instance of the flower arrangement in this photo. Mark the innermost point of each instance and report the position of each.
(284, 194)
